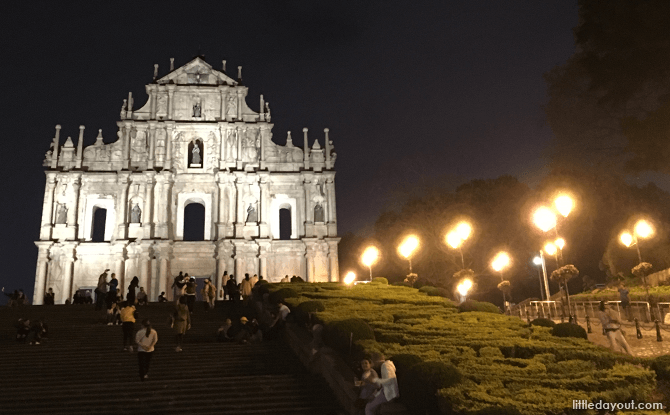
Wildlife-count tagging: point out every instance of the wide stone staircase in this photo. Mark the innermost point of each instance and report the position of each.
(82, 369)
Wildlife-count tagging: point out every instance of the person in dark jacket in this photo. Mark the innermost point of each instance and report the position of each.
(131, 290)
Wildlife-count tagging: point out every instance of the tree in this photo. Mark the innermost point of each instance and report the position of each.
(610, 102)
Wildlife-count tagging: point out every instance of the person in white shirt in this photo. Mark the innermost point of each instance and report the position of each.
(146, 340)
(388, 384)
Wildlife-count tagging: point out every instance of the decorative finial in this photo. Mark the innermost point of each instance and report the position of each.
(239, 73)
(224, 65)
(267, 112)
(262, 104)
(155, 71)
(123, 109)
(289, 140)
(171, 64)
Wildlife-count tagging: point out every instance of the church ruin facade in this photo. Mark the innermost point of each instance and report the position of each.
(194, 146)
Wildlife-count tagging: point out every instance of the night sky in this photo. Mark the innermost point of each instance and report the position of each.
(415, 94)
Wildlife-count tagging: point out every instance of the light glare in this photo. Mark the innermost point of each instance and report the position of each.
(349, 278)
(370, 256)
(550, 248)
(564, 205)
(454, 240)
(537, 260)
(408, 246)
(500, 262)
(626, 239)
(464, 287)
(544, 218)
(560, 243)
(643, 229)
(463, 230)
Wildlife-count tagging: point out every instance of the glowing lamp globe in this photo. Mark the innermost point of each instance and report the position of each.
(626, 239)
(370, 256)
(464, 287)
(349, 278)
(500, 262)
(643, 229)
(537, 260)
(463, 230)
(564, 205)
(408, 246)
(453, 239)
(544, 218)
(550, 248)
(560, 243)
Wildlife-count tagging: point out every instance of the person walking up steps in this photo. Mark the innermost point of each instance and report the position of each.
(128, 325)
(209, 294)
(190, 293)
(146, 339)
(101, 291)
(182, 322)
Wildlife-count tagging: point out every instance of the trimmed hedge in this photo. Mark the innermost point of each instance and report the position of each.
(282, 294)
(543, 322)
(338, 334)
(472, 305)
(569, 330)
(301, 312)
(661, 365)
(380, 280)
(404, 361)
(421, 383)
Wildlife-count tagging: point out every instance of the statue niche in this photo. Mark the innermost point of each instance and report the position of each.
(136, 214)
(318, 213)
(195, 154)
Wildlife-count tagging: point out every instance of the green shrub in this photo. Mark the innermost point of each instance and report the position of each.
(380, 280)
(281, 294)
(661, 365)
(427, 289)
(404, 361)
(491, 352)
(472, 305)
(421, 383)
(301, 312)
(298, 280)
(544, 322)
(402, 284)
(337, 334)
(569, 330)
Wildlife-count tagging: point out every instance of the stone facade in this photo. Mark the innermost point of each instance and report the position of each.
(194, 141)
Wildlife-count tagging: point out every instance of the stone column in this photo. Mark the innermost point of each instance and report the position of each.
(300, 215)
(80, 146)
(54, 154)
(148, 204)
(81, 208)
(72, 212)
(152, 145)
(161, 204)
(309, 212)
(164, 260)
(224, 250)
(224, 96)
(309, 256)
(152, 98)
(41, 272)
(332, 216)
(167, 164)
(333, 261)
(144, 271)
(119, 262)
(126, 143)
(47, 207)
(170, 101)
(68, 260)
(264, 213)
(238, 136)
(122, 205)
(240, 100)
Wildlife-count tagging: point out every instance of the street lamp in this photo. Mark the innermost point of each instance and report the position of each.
(457, 236)
(407, 248)
(349, 278)
(544, 218)
(463, 288)
(642, 229)
(500, 262)
(369, 257)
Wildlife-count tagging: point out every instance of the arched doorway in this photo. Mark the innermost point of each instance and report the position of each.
(98, 226)
(285, 223)
(194, 222)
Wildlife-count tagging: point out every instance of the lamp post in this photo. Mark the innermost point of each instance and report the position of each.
(370, 257)
(457, 236)
(540, 261)
(500, 262)
(407, 248)
(642, 229)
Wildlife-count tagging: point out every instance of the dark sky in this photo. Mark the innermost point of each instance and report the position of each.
(415, 93)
